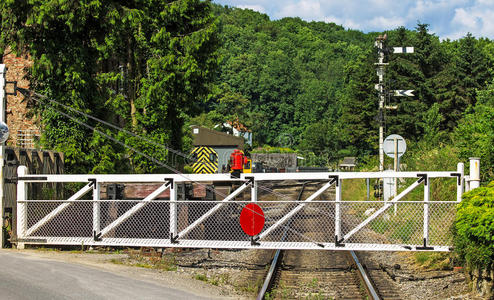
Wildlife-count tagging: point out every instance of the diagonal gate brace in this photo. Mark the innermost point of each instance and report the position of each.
(134, 209)
(296, 209)
(384, 208)
(88, 187)
(213, 210)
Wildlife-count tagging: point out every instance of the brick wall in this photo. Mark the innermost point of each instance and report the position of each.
(18, 118)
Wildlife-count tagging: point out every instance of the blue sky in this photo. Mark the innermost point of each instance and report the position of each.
(447, 18)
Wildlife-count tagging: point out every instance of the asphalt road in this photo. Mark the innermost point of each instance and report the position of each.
(26, 277)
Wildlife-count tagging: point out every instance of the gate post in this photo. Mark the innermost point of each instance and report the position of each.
(96, 210)
(459, 188)
(474, 172)
(173, 210)
(253, 191)
(21, 206)
(337, 213)
(426, 210)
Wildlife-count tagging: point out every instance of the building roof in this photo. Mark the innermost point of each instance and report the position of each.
(237, 125)
(349, 162)
(207, 137)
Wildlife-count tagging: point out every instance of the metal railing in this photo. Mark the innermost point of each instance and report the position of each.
(27, 138)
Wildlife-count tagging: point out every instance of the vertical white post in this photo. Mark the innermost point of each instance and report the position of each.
(253, 191)
(2, 147)
(96, 208)
(367, 182)
(380, 74)
(173, 210)
(337, 211)
(426, 210)
(459, 188)
(467, 183)
(474, 172)
(395, 187)
(21, 206)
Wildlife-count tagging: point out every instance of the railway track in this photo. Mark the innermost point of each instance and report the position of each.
(323, 274)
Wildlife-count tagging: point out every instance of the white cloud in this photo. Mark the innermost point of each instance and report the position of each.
(305, 9)
(476, 19)
(387, 23)
(347, 23)
(465, 19)
(447, 18)
(257, 7)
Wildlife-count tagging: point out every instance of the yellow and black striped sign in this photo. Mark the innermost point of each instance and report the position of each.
(206, 160)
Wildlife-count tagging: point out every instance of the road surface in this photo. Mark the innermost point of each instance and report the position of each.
(26, 277)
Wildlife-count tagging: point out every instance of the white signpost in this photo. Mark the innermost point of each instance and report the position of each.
(403, 49)
(394, 146)
(403, 93)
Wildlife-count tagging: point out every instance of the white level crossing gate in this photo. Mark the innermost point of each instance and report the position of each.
(412, 221)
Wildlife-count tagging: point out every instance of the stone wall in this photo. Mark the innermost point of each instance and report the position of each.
(483, 282)
(276, 160)
(17, 114)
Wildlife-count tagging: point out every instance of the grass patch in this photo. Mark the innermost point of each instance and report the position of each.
(251, 287)
(356, 190)
(116, 261)
(166, 263)
(405, 231)
(433, 260)
(201, 277)
(215, 280)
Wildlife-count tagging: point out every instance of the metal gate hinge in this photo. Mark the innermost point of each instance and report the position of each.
(32, 178)
(425, 246)
(338, 243)
(10, 180)
(249, 179)
(169, 181)
(97, 237)
(92, 182)
(173, 239)
(334, 178)
(423, 177)
(457, 175)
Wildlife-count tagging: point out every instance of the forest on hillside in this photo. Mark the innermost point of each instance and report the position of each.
(154, 68)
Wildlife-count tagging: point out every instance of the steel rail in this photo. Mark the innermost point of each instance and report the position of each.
(275, 262)
(363, 275)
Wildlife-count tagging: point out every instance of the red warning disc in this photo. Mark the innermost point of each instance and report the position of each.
(252, 219)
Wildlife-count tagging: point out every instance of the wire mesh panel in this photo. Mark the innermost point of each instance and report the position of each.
(149, 221)
(315, 218)
(403, 226)
(311, 223)
(74, 219)
(441, 220)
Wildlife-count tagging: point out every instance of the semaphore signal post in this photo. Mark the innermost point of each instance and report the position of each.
(381, 68)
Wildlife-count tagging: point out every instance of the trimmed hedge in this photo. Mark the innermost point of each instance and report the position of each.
(474, 227)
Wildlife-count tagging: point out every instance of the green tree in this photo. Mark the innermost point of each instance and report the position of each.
(473, 69)
(144, 65)
(474, 135)
(359, 118)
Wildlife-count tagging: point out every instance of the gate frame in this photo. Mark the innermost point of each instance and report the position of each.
(169, 181)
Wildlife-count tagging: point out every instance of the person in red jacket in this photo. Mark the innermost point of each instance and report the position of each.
(237, 161)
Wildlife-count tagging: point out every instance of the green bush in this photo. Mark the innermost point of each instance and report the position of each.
(474, 227)
(269, 149)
